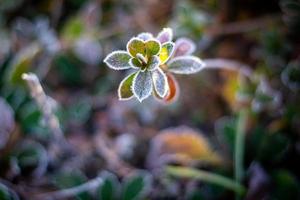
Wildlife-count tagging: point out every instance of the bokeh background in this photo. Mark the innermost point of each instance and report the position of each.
(121, 149)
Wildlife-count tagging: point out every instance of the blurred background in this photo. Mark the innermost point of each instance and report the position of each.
(81, 136)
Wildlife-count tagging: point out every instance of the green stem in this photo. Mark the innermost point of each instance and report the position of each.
(187, 172)
(239, 148)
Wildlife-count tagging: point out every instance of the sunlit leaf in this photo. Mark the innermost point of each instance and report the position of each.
(118, 60)
(142, 85)
(125, 87)
(182, 145)
(166, 52)
(230, 87)
(136, 187)
(185, 65)
(184, 47)
(22, 62)
(166, 35)
(73, 29)
(160, 82)
(152, 47)
(136, 45)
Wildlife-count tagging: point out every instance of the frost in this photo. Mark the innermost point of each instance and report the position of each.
(142, 85)
(124, 90)
(118, 60)
(185, 65)
(160, 82)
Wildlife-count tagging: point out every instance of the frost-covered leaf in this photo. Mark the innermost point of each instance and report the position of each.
(149, 47)
(142, 85)
(185, 65)
(152, 47)
(166, 52)
(165, 35)
(145, 36)
(124, 90)
(135, 63)
(153, 63)
(136, 187)
(184, 47)
(160, 82)
(7, 122)
(136, 45)
(118, 60)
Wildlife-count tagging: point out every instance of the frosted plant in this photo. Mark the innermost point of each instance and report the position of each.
(153, 60)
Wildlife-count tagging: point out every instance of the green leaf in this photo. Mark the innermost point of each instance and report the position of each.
(152, 47)
(285, 185)
(185, 65)
(73, 29)
(68, 179)
(166, 52)
(160, 82)
(142, 85)
(136, 45)
(166, 35)
(135, 63)
(118, 60)
(30, 156)
(109, 189)
(7, 193)
(125, 86)
(136, 187)
(22, 63)
(4, 193)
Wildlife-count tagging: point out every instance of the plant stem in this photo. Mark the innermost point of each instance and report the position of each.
(187, 172)
(239, 148)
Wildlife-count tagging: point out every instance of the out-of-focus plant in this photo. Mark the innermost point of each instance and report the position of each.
(181, 145)
(153, 59)
(291, 14)
(290, 76)
(7, 122)
(7, 193)
(189, 21)
(135, 187)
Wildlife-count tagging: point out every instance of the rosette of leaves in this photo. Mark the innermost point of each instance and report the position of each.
(153, 59)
